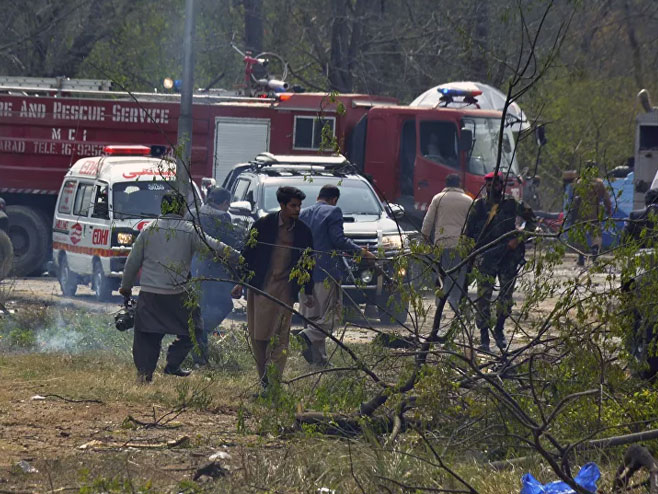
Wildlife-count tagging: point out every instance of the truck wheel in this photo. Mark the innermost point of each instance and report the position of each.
(68, 280)
(102, 285)
(392, 310)
(6, 255)
(30, 234)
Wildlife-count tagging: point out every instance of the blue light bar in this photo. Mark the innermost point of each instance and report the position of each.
(459, 92)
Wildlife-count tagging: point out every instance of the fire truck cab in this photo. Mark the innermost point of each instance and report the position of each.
(409, 151)
(103, 204)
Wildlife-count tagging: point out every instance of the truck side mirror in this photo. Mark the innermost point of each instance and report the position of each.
(241, 208)
(465, 139)
(395, 210)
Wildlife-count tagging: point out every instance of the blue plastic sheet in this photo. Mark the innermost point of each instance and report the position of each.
(587, 477)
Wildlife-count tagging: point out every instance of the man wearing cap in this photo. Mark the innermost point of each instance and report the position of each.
(215, 297)
(491, 223)
(443, 225)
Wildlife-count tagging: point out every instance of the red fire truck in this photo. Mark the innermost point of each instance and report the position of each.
(46, 125)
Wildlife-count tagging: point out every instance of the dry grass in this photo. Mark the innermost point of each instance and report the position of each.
(90, 393)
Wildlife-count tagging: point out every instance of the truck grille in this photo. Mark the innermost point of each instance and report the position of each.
(365, 240)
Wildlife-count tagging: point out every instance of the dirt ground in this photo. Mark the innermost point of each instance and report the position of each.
(55, 437)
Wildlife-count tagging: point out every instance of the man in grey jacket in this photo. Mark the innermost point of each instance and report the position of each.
(163, 251)
(446, 217)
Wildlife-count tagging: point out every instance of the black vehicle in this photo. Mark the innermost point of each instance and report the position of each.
(6, 248)
(368, 221)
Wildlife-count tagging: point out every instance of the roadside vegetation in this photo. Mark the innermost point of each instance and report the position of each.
(424, 412)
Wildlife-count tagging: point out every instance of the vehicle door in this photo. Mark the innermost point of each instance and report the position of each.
(64, 218)
(437, 156)
(101, 225)
(243, 202)
(81, 230)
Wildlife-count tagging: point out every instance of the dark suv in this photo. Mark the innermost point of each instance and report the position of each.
(367, 220)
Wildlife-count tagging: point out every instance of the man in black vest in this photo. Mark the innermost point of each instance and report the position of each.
(275, 247)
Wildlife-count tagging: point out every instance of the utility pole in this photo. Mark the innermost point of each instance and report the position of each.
(183, 163)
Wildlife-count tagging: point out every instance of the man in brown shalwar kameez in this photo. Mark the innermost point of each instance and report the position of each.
(280, 242)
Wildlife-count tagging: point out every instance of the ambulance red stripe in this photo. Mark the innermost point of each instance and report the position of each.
(92, 251)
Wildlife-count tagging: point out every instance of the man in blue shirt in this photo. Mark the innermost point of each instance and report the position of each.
(215, 297)
(325, 220)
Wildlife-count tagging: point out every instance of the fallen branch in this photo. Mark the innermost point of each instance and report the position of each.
(95, 444)
(150, 425)
(343, 425)
(592, 444)
(72, 400)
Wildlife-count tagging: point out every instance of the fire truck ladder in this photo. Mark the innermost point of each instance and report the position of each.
(102, 87)
(55, 83)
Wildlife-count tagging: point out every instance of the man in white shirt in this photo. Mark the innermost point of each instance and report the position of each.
(443, 226)
(163, 251)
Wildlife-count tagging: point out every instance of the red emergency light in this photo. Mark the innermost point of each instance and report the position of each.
(127, 150)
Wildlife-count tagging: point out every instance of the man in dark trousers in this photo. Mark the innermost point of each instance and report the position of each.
(275, 247)
(215, 297)
(163, 251)
(325, 220)
(443, 225)
(590, 194)
(491, 221)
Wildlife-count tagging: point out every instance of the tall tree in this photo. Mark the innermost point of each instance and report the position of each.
(253, 25)
(52, 38)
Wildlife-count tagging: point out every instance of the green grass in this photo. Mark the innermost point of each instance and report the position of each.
(92, 361)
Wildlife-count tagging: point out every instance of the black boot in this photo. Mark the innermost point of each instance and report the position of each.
(177, 371)
(484, 340)
(501, 341)
(499, 333)
(595, 253)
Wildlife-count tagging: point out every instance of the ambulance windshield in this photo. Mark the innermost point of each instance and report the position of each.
(138, 199)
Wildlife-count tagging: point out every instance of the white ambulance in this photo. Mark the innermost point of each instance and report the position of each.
(103, 204)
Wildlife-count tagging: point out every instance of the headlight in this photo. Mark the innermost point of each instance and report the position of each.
(392, 242)
(366, 276)
(124, 238)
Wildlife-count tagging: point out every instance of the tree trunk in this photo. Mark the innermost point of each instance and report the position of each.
(635, 46)
(339, 74)
(479, 57)
(253, 25)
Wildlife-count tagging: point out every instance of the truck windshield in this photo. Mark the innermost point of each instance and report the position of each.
(356, 197)
(485, 146)
(138, 199)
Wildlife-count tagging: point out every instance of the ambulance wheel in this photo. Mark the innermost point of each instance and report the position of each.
(102, 285)
(6, 255)
(29, 231)
(392, 310)
(68, 280)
